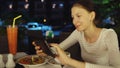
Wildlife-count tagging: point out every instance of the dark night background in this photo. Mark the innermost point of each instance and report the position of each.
(55, 13)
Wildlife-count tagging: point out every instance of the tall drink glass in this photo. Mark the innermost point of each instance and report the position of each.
(12, 38)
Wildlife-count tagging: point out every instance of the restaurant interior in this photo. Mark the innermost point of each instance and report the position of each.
(50, 15)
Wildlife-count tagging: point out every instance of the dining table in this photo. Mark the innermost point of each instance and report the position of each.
(22, 54)
(42, 66)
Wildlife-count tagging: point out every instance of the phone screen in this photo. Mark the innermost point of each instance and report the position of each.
(45, 47)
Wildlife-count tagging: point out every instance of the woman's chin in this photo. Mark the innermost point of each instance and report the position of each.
(79, 30)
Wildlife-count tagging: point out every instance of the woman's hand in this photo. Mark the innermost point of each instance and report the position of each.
(61, 55)
(38, 50)
(66, 60)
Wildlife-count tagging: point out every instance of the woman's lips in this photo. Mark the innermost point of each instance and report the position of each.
(77, 26)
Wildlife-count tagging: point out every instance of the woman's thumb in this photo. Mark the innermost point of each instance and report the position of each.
(58, 49)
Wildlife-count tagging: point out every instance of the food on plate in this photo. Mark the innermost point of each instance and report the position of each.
(31, 60)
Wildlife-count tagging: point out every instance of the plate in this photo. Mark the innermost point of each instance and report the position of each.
(31, 61)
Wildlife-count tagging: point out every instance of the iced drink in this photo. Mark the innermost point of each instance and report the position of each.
(12, 38)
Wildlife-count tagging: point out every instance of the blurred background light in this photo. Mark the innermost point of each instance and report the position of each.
(53, 5)
(42, 0)
(26, 0)
(44, 20)
(26, 6)
(10, 6)
(61, 5)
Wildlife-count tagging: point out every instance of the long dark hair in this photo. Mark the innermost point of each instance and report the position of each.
(86, 4)
(89, 6)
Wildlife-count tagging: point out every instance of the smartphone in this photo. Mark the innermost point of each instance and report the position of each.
(45, 47)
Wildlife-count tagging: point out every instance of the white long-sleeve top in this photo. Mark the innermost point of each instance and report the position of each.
(104, 53)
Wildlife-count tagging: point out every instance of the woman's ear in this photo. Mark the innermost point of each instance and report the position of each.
(92, 15)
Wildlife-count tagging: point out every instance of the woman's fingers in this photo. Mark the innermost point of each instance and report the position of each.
(58, 49)
(34, 43)
(40, 52)
(56, 46)
(37, 48)
(61, 55)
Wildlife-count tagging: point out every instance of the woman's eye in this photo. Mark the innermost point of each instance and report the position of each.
(79, 16)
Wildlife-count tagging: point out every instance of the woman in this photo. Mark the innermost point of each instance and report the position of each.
(99, 46)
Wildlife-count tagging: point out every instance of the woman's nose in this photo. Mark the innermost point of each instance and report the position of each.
(75, 21)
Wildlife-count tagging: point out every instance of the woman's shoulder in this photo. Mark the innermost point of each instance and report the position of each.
(108, 32)
(76, 33)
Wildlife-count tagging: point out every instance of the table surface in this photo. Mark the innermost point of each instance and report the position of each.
(42, 66)
(21, 54)
(45, 66)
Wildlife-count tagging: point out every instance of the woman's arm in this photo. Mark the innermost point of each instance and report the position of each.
(70, 40)
(113, 49)
(111, 42)
(66, 60)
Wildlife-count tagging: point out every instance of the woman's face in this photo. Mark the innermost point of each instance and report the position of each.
(82, 19)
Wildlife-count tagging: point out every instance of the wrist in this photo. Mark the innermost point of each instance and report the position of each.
(75, 63)
(69, 61)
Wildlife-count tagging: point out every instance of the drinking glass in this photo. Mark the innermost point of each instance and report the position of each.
(12, 38)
